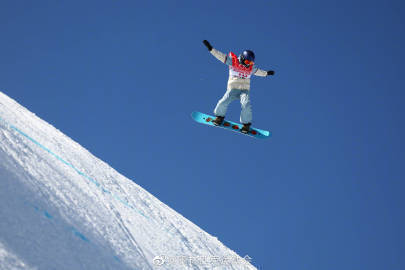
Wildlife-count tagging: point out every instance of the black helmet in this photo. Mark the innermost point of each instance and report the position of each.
(247, 55)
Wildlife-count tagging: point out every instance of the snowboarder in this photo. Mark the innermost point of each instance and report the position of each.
(241, 69)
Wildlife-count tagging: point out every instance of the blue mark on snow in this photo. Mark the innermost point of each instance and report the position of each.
(47, 215)
(62, 225)
(80, 235)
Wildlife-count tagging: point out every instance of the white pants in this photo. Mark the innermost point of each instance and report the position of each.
(231, 95)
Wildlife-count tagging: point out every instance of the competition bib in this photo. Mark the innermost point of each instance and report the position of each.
(239, 70)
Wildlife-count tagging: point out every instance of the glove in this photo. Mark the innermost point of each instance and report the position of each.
(207, 44)
(270, 72)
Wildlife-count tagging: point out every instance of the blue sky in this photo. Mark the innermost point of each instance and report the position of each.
(122, 78)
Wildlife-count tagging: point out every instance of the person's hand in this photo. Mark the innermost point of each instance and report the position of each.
(270, 72)
(207, 44)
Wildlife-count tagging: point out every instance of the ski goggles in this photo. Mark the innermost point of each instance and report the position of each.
(248, 62)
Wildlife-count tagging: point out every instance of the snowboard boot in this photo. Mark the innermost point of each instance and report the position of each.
(245, 129)
(218, 120)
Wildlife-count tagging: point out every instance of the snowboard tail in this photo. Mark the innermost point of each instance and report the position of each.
(229, 125)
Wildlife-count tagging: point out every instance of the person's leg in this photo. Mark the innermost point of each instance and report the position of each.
(223, 103)
(246, 113)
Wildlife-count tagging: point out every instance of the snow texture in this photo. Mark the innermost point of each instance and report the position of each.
(63, 208)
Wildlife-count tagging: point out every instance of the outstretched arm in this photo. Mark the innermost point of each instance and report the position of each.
(218, 55)
(263, 73)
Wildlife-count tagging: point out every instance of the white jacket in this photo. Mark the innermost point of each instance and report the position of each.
(239, 76)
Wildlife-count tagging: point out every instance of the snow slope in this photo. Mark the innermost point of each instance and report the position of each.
(63, 208)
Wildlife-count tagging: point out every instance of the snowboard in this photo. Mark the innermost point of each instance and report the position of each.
(229, 125)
